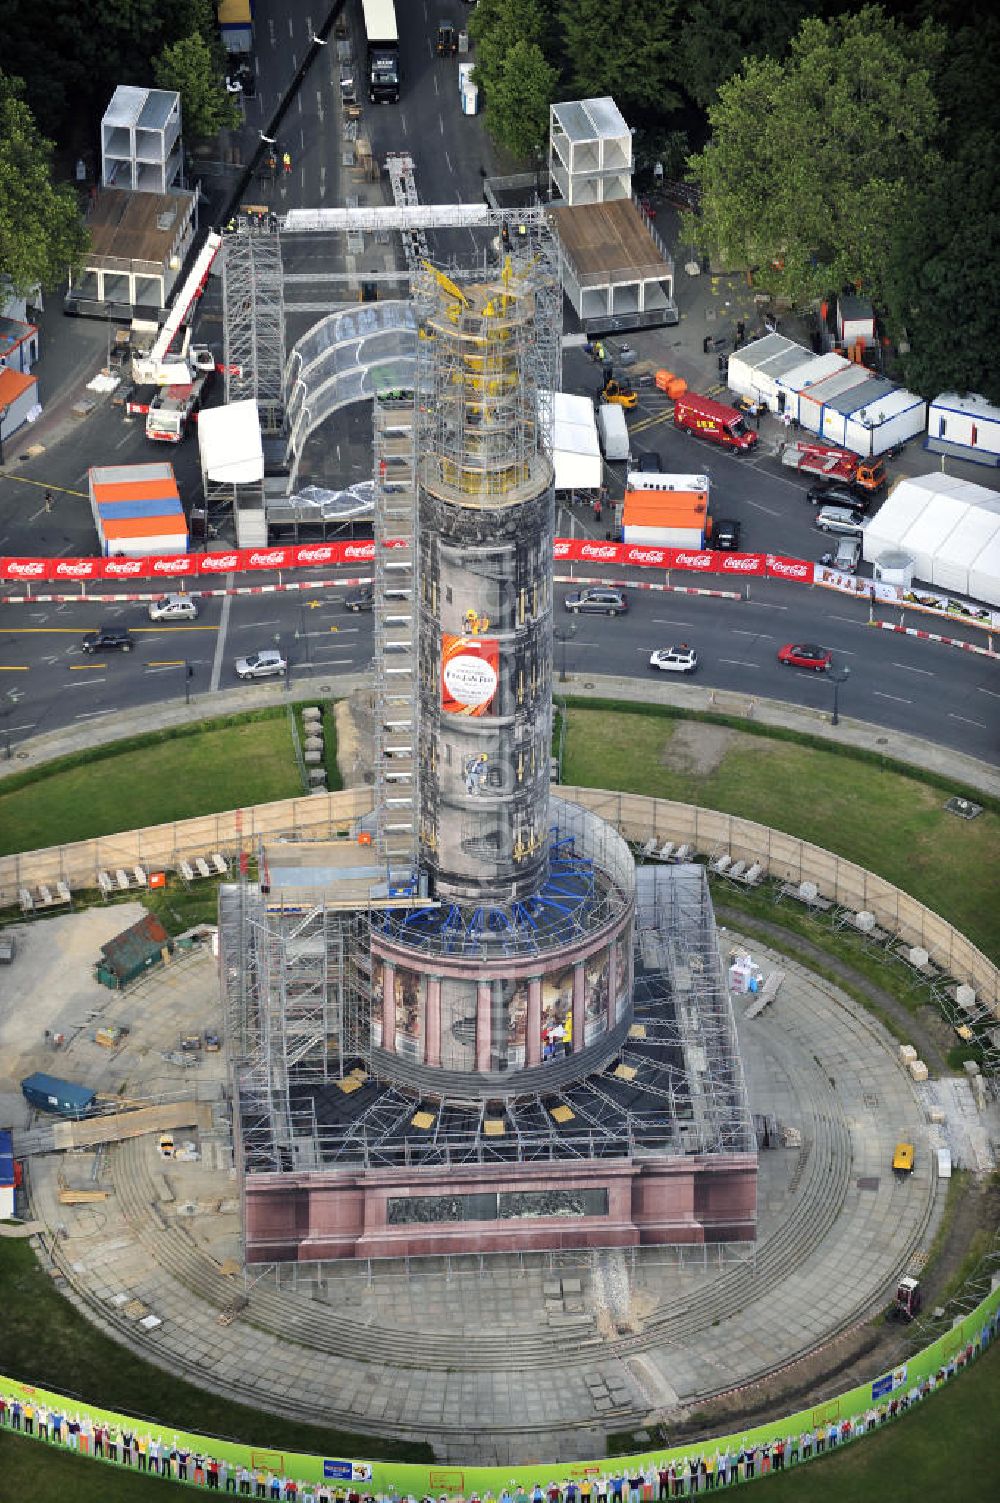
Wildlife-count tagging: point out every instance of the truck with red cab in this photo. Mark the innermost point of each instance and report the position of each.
(714, 421)
(834, 466)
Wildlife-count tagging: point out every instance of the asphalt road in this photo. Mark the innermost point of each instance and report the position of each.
(46, 682)
(949, 697)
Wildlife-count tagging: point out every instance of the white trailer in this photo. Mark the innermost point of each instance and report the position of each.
(964, 427)
(613, 431)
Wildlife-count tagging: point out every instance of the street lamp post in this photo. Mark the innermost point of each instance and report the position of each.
(3, 418)
(564, 635)
(837, 677)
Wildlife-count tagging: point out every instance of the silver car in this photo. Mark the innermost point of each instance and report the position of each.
(265, 664)
(173, 608)
(841, 520)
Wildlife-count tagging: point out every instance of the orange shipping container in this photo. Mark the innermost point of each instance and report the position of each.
(145, 527)
(665, 509)
(146, 490)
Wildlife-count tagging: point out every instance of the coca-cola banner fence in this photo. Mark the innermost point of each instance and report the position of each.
(329, 555)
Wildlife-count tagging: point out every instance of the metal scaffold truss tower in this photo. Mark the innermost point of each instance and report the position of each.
(395, 631)
(297, 984)
(254, 321)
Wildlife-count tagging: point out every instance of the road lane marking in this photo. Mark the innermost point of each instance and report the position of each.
(665, 621)
(93, 714)
(14, 667)
(84, 683)
(220, 641)
(906, 667)
(850, 620)
(739, 631)
(766, 605)
(85, 667)
(991, 692)
(739, 663)
(758, 506)
(166, 663)
(879, 695)
(251, 625)
(966, 721)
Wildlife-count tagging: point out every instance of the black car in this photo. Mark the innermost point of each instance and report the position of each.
(361, 600)
(108, 639)
(836, 495)
(726, 535)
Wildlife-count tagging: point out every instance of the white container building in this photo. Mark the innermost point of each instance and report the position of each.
(964, 427)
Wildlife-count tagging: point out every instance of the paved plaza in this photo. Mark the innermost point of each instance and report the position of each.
(502, 1359)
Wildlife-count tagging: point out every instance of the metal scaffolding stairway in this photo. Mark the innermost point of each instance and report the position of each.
(254, 321)
(404, 195)
(394, 609)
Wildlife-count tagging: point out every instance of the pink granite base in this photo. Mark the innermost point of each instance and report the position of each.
(344, 1214)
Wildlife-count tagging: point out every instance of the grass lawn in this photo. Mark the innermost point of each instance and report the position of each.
(43, 1339)
(223, 764)
(890, 823)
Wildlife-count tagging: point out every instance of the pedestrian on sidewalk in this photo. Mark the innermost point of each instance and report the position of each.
(48, 500)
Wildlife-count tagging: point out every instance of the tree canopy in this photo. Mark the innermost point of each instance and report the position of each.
(517, 106)
(716, 35)
(812, 161)
(41, 231)
(72, 56)
(623, 48)
(190, 67)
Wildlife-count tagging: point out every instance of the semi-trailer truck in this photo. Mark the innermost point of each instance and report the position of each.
(382, 37)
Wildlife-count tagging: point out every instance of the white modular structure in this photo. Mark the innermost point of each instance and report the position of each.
(808, 398)
(855, 320)
(848, 405)
(873, 417)
(141, 140)
(590, 152)
(964, 427)
(754, 370)
(576, 449)
(948, 527)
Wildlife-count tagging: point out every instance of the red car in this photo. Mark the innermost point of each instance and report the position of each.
(805, 655)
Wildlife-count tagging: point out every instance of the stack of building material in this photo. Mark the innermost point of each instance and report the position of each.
(137, 510)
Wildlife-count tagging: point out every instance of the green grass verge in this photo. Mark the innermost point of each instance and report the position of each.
(891, 822)
(44, 1340)
(150, 780)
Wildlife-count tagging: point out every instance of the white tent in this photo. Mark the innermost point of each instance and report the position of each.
(576, 450)
(951, 530)
(229, 444)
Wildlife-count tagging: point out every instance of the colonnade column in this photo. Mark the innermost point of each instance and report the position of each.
(433, 1021)
(533, 1025)
(579, 1004)
(484, 1002)
(389, 1007)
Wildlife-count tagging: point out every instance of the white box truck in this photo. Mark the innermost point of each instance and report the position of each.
(613, 431)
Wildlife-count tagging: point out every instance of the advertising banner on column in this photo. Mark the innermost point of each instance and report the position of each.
(469, 674)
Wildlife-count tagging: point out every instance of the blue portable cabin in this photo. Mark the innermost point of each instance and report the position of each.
(8, 1177)
(49, 1094)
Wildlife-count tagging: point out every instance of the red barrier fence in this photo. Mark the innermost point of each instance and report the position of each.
(311, 555)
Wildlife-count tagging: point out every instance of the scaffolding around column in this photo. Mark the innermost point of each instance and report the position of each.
(254, 320)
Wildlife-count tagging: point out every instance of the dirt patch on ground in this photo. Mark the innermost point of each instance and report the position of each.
(355, 723)
(696, 749)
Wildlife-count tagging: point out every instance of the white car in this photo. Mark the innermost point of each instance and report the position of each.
(266, 664)
(173, 608)
(681, 659)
